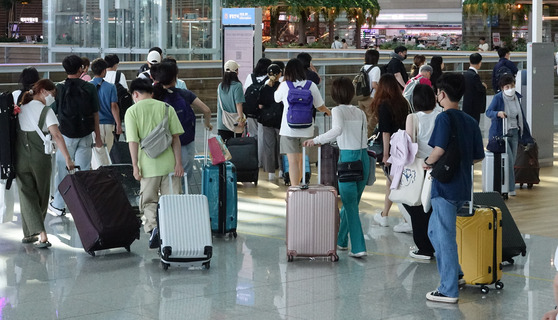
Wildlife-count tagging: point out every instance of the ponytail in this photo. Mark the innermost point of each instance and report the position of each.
(27, 97)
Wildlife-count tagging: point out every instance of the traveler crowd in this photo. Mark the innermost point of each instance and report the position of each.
(276, 104)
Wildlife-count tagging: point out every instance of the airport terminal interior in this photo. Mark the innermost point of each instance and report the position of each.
(250, 277)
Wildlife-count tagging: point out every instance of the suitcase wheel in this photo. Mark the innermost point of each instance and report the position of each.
(499, 285)
(234, 234)
(334, 258)
(127, 248)
(165, 265)
(505, 196)
(91, 253)
(484, 289)
(529, 186)
(290, 258)
(207, 265)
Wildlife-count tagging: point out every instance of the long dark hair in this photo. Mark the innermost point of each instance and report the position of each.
(228, 78)
(436, 64)
(45, 84)
(261, 67)
(294, 71)
(389, 93)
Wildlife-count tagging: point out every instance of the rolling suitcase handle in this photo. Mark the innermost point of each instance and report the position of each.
(304, 184)
(185, 182)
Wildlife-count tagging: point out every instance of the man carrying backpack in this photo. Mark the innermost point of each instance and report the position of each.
(77, 108)
(109, 115)
(119, 80)
(504, 66)
(423, 77)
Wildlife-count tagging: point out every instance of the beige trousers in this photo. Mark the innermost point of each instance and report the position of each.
(150, 191)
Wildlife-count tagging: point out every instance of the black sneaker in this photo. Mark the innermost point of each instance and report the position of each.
(438, 297)
(154, 239)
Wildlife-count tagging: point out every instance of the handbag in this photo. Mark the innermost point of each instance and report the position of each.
(410, 186)
(48, 143)
(426, 195)
(229, 119)
(159, 139)
(218, 150)
(351, 171)
(445, 168)
(496, 144)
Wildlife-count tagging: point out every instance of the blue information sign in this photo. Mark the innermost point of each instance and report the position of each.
(239, 16)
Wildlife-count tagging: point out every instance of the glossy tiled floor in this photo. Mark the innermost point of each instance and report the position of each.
(250, 277)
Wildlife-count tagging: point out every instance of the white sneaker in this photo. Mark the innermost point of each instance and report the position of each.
(271, 176)
(415, 254)
(438, 297)
(342, 248)
(358, 254)
(512, 193)
(382, 221)
(58, 212)
(403, 227)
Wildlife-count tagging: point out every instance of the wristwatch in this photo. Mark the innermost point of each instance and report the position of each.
(426, 163)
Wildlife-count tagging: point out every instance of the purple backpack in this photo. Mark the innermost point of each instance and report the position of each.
(300, 110)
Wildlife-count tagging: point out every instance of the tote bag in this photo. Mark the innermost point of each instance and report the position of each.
(409, 190)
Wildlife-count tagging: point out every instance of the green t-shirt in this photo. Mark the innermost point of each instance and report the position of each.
(141, 118)
(229, 99)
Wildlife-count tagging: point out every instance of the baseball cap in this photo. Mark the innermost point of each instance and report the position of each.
(231, 66)
(273, 69)
(154, 57)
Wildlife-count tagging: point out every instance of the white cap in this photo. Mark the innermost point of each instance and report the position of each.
(154, 57)
(231, 66)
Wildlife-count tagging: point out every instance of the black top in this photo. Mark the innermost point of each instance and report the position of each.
(312, 76)
(474, 99)
(396, 66)
(385, 121)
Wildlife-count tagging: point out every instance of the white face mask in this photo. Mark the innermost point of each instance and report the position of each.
(509, 92)
(49, 100)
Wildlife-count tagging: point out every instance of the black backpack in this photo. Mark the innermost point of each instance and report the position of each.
(75, 111)
(500, 72)
(250, 107)
(8, 123)
(125, 100)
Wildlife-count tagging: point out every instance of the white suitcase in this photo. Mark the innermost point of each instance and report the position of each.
(184, 230)
(496, 170)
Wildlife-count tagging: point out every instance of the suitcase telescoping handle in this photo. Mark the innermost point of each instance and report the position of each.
(504, 133)
(185, 182)
(304, 165)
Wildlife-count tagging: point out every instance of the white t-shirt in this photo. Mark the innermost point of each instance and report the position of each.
(348, 125)
(248, 82)
(483, 47)
(111, 77)
(373, 76)
(426, 126)
(32, 111)
(336, 45)
(281, 95)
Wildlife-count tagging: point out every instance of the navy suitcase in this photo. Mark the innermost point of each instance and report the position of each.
(244, 156)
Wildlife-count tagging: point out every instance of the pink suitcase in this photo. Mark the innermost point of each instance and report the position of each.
(312, 221)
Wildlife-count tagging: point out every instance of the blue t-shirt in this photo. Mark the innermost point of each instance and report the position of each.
(107, 95)
(470, 146)
(181, 100)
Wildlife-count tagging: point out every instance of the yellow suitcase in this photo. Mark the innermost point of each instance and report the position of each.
(479, 245)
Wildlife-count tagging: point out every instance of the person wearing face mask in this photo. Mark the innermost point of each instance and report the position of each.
(506, 104)
(396, 66)
(33, 166)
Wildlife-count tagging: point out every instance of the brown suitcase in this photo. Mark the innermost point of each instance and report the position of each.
(312, 221)
(102, 213)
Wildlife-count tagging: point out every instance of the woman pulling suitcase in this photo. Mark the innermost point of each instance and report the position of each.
(33, 164)
(349, 129)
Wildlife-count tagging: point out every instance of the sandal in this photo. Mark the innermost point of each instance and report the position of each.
(43, 245)
(30, 239)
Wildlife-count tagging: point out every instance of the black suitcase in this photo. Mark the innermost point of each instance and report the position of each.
(526, 166)
(124, 173)
(328, 166)
(244, 153)
(512, 241)
(103, 216)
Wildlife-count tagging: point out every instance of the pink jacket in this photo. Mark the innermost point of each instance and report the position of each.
(402, 152)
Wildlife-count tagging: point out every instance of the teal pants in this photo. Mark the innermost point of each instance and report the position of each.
(350, 195)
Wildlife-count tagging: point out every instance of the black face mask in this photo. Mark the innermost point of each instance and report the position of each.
(404, 57)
